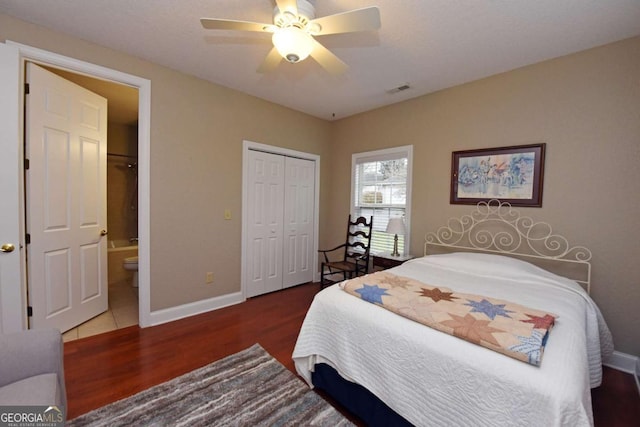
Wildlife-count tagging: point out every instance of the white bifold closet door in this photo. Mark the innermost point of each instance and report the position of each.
(279, 223)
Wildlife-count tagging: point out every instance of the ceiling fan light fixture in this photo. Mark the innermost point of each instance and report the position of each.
(293, 44)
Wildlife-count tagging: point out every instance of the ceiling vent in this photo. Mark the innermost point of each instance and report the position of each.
(400, 88)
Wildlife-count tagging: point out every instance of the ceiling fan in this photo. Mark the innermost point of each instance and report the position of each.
(294, 30)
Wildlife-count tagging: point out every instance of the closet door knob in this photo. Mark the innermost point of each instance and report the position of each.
(104, 232)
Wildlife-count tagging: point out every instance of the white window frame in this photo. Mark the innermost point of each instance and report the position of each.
(387, 154)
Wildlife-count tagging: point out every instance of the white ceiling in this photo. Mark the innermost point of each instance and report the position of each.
(429, 44)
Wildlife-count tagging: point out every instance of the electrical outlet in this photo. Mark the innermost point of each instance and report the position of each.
(209, 277)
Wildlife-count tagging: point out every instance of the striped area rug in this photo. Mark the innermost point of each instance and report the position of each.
(249, 388)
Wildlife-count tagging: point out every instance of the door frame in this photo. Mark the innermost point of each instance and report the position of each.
(256, 146)
(30, 54)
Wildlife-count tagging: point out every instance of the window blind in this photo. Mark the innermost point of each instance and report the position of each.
(381, 188)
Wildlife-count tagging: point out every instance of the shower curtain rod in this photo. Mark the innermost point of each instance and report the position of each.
(122, 155)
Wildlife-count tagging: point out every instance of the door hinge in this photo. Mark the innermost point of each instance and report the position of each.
(26, 164)
(27, 238)
(26, 88)
(29, 311)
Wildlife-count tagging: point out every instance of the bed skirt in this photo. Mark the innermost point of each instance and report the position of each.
(355, 398)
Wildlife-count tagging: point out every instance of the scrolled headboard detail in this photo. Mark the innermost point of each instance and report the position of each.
(495, 227)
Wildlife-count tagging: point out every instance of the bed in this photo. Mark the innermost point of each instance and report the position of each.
(390, 370)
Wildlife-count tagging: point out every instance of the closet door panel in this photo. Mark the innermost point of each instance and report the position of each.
(265, 222)
(298, 221)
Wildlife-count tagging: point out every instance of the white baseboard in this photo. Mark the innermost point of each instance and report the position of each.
(622, 362)
(159, 317)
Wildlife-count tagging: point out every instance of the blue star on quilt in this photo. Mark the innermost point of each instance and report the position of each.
(489, 309)
(531, 346)
(372, 294)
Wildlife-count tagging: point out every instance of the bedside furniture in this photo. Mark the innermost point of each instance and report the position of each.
(386, 260)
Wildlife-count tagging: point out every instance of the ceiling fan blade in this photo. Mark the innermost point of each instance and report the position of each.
(327, 59)
(270, 62)
(288, 5)
(230, 24)
(366, 19)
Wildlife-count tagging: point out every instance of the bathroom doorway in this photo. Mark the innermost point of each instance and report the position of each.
(13, 280)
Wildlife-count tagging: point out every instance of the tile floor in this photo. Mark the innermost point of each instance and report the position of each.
(123, 312)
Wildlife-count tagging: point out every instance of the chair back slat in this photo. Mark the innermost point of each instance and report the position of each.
(359, 233)
(359, 245)
(360, 220)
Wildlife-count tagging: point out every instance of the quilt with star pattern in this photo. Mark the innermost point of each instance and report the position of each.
(508, 328)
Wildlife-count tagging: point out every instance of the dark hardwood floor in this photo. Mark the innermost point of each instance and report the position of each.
(111, 366)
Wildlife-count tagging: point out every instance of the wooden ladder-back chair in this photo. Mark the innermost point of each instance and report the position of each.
(355, 259)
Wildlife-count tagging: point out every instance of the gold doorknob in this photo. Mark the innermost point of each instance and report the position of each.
(7, 247)
(103, 233)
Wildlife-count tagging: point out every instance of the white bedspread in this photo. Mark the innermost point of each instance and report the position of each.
(435, 379)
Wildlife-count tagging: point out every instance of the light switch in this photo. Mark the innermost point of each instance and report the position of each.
(227, 214)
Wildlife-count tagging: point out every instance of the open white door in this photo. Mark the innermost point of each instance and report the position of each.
(12, 302)
(66, 145)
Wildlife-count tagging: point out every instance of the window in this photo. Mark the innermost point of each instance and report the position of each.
(381, 186)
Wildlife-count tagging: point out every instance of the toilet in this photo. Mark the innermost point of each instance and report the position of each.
(131, 264)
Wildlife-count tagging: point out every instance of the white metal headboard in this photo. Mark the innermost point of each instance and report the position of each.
(495, 227)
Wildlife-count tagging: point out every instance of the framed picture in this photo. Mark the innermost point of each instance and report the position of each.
(510, 174)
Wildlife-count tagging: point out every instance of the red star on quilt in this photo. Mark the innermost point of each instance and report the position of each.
(545, 322)
(437, 295)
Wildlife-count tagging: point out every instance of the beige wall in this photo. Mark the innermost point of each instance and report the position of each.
(586, 107)
(197, 129)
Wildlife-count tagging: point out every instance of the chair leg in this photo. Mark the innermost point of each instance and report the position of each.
(322, 275)
(323, 281)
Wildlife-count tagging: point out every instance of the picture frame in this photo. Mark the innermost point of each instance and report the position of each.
(512, 174)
